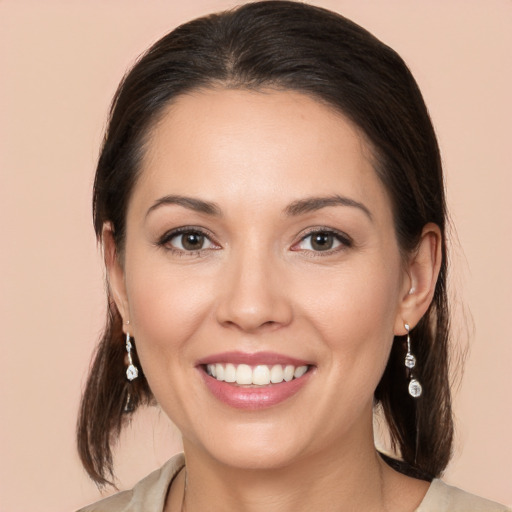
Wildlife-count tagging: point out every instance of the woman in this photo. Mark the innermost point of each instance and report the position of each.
(270, 201)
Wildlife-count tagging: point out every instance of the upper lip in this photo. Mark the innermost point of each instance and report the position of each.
(252, 359)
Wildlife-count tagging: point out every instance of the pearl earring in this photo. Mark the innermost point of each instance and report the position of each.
(415, 388)
(131, 372)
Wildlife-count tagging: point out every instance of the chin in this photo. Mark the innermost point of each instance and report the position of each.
(251, 458)
(254, 447)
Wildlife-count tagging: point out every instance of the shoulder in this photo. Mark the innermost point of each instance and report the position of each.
(149, 492)
(445, 498)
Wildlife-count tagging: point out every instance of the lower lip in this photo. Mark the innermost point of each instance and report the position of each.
(254, 398)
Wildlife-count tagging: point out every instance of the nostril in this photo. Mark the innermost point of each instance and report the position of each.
(251, 308)
(271, 324)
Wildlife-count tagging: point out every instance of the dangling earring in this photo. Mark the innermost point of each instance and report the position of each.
(131, 371)
(415, 388)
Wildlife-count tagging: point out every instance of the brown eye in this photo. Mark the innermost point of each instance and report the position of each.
(190, 241)
(322, 241)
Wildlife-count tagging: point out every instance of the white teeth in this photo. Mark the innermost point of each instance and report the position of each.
(219, 372)
(244, 374)
(230, 373)
(300, 371)
(288, 373)
(276, 374)
(260, 375)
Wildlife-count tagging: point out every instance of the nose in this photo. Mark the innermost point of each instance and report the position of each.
(253, 294)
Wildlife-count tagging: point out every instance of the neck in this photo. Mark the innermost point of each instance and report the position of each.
(345, 478)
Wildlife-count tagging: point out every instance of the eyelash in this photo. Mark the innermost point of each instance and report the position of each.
(165, 240)
(343, 239)
(345, 242)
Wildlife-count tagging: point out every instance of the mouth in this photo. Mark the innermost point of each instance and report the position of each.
(254, 381)
(255, 375)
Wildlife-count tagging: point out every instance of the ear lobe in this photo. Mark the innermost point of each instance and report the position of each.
(423, 270)
(115, 271)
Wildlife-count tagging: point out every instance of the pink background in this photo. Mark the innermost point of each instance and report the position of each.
(59, 65)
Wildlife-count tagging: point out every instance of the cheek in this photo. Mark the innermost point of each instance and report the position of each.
(355, 296)
(167, 310)
(355, 316)
(167, 306)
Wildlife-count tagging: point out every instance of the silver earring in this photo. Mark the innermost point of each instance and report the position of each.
(131, 371)
(415, 388)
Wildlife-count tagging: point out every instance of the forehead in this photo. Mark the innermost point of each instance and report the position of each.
(239, 146)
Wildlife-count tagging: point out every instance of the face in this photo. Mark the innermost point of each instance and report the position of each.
(261, 276)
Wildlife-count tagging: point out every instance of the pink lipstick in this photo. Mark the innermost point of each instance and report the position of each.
(254, 381)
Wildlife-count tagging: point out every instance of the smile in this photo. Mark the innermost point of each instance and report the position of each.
(254, 381)
(258, 375)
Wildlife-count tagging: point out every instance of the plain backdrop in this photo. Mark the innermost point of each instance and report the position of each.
(60, 63)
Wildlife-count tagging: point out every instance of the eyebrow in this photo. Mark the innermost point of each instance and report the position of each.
(197, 205)
(296, 208)
(311, 204)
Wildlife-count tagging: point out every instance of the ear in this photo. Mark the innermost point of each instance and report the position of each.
(115, 272)
(420, 282)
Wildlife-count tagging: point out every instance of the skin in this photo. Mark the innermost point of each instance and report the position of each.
(259, 285)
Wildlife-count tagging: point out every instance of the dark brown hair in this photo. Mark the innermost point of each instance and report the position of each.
(288, 46)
